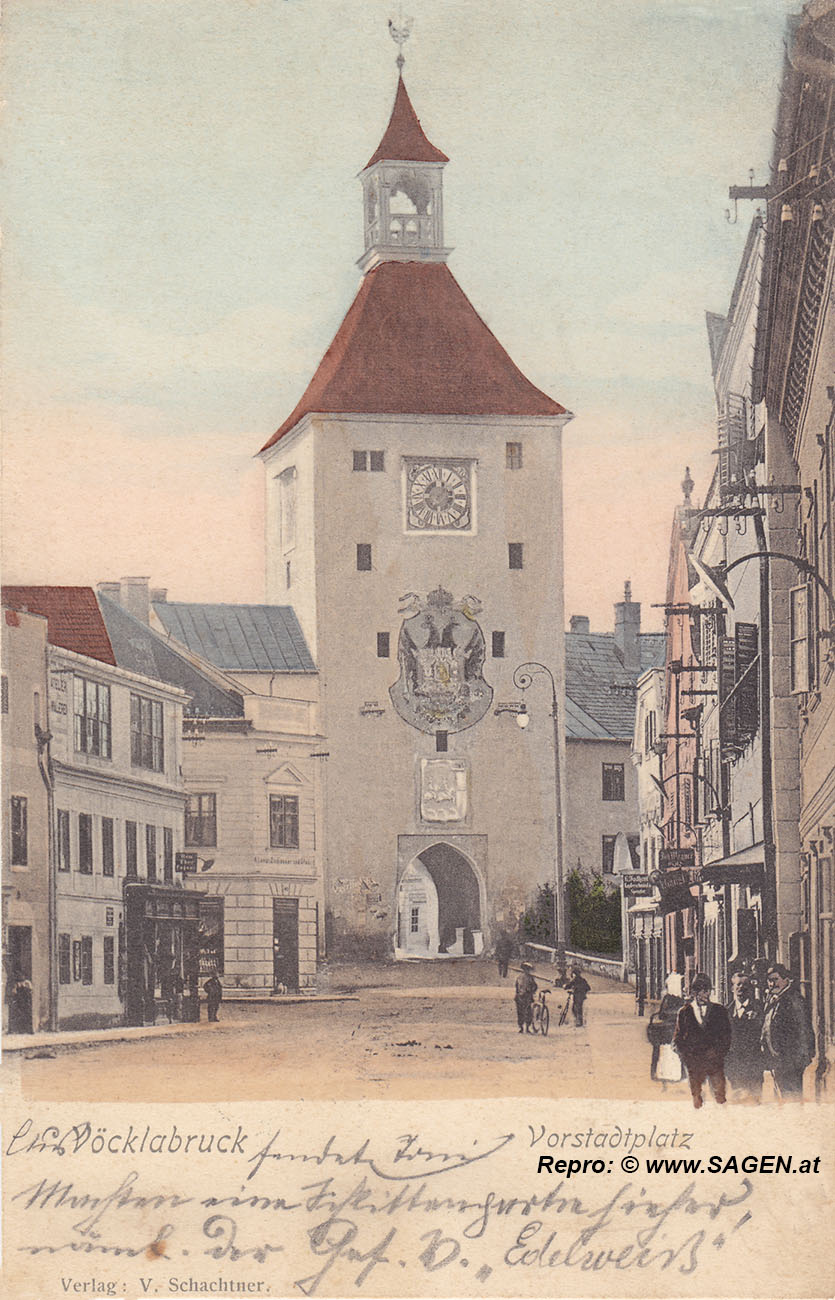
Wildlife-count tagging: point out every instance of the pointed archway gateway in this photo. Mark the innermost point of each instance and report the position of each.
(439, 905)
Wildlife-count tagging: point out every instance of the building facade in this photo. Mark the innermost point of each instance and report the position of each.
(414, 518)
(114, 757)
(27, 903)
(254, 790)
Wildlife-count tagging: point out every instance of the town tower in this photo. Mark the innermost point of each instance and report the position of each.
(414, 522)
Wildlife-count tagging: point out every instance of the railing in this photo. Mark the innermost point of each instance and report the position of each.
(609, 967)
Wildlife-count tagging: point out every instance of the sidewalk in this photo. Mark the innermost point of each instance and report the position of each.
(36, 1043)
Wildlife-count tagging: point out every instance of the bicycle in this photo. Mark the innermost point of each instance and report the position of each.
(540, 1015)
(566, 1008)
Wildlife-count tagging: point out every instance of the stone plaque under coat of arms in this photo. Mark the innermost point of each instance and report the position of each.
(443, 789)
(441, 653)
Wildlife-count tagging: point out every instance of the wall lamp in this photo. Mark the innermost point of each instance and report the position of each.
(519, 710)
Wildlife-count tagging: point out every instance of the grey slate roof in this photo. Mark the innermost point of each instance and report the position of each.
(242, 638)
(140, 649)
(600, 692)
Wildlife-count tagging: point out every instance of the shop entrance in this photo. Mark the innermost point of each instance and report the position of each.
(286, 944)
(162, 928)
(18, 990)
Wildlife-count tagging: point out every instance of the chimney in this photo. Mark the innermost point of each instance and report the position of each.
(136, 598)
(112, 590)
(159, 595)
(628, 630)
(579, 623)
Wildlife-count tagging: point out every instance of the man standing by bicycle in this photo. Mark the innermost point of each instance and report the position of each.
(526, 986)
(579, 989)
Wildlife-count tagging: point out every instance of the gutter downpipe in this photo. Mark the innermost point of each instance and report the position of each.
(769, 844)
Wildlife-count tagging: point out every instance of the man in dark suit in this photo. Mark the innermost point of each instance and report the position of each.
(702, 1037)
(788, 1041)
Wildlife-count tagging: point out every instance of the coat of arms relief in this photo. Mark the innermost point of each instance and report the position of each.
(441, 653)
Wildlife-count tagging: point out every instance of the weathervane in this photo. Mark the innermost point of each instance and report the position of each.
(399, 32)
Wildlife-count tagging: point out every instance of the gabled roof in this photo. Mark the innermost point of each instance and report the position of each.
(413, 344)
(404, 139)
(241, 638)
(600, 692)
(717, 329)
(74, 620)
(140, 649)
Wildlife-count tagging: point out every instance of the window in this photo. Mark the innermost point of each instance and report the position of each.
(4, 684)
(515, 558)
(151, 851)
(85, 844)
(87, 959)
(498, 645)
(287, 508)
(64, 959)
(441, 742)
(92, 718)
(108, 916)
(64, 849)
(284, 821)
(201, 820)
(383, 650)
(20, 834)
(146, 748)
(649, 731)
(634, 842)
(414, 920)
(109, 955)
(799, 638)
(168, 855)
(131, 860)
(613, 790)
(107, 856)
(513, 455)
(364, 557)
(373, 460)
(608, 856)
(288, 577)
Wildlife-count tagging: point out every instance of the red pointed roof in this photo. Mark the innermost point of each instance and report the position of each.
(404, 140)
(74, 620)
(413, 344)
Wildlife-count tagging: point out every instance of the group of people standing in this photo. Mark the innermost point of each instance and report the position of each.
(765, 1028)
(526, 987)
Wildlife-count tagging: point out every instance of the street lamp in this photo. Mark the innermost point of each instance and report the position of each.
(522, 679)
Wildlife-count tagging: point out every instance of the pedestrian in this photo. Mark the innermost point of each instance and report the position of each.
(214, 994)
(526, 986)
(759, 979)
(788, 1041)
(702, 1037)
(579, 989)
(503, 952)
(744, 1062)
(662, 1024)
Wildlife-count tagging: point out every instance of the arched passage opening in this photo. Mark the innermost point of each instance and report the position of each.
(439, 905)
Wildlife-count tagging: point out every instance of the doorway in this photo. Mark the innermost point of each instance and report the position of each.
(286, 944)
(19, 979)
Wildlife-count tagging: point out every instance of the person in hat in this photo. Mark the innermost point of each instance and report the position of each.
(523, 997)
(579, 988)
(702, 1038)
(214, 995)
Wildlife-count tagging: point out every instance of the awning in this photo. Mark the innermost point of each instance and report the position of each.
(745, 867)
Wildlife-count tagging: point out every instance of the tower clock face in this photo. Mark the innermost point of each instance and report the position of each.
(439, 495)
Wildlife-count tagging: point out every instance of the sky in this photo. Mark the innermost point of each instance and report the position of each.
(183, 219)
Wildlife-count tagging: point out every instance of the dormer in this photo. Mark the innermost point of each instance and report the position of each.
(403, 193)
